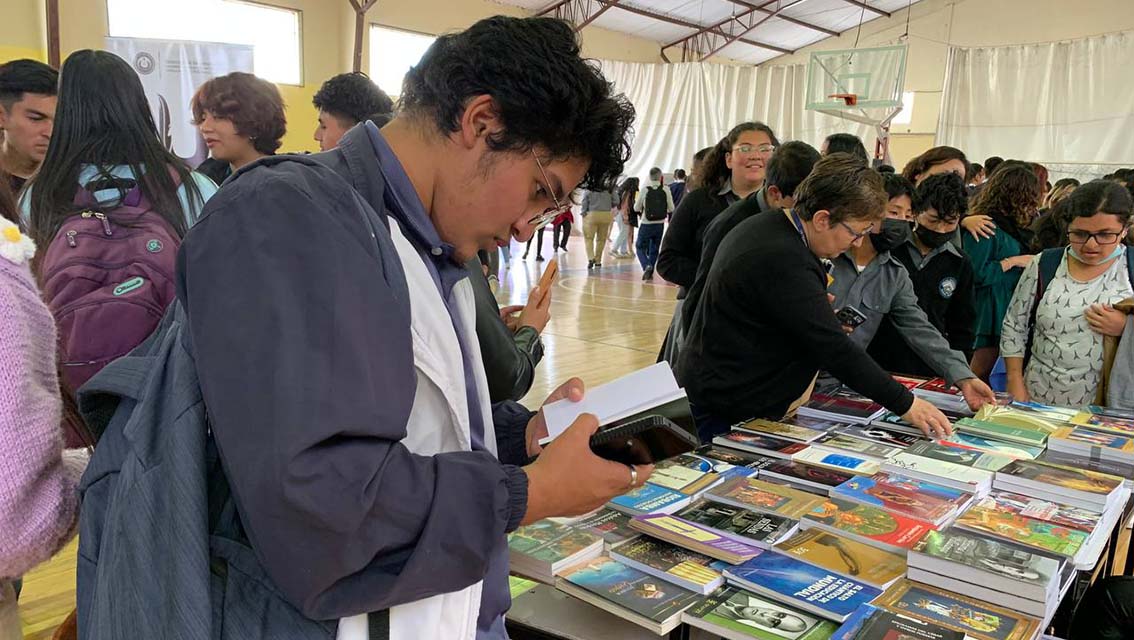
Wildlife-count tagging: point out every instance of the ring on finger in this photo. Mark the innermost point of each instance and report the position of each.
(633, 477)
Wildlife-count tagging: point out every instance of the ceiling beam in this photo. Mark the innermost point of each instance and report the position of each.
(579, 13)
(751, 25)
(795, 21)
(596, 14)
(863, 5)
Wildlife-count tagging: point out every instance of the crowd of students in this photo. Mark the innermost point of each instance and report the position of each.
(316, 433)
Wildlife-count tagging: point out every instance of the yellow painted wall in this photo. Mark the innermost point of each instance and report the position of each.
(22, 32)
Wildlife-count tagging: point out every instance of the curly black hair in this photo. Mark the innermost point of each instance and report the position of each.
(944, 192)
(546, 94)
(897, 185)
(352, 96)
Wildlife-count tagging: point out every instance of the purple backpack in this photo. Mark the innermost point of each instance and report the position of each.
(108, 277)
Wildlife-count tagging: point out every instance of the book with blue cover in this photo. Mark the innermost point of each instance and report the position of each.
(910, 497)
(799, 584)
(649, 498)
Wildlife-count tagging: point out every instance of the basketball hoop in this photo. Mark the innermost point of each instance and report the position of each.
(849, 99)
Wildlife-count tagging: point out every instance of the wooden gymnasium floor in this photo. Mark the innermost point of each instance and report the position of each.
(604, 324)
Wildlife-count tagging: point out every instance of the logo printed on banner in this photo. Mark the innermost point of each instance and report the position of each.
(144, 63)
(946, 287)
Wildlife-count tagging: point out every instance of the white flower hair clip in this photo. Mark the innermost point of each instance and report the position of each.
(15, 246)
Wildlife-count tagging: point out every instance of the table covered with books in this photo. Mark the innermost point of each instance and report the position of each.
(844, 522)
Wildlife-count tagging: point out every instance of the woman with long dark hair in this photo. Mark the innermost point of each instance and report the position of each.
(1011, 199)
(105, 141)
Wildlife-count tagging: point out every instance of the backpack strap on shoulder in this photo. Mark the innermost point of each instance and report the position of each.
(1048, 265)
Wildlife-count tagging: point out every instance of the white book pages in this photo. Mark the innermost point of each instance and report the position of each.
(617, 399)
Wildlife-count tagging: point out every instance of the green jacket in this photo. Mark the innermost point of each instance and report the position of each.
(993, 286)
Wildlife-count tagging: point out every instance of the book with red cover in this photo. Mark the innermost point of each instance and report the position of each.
(910, 497)
(867, 524)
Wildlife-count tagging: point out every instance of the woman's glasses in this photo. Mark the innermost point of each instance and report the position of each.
(1102, 237)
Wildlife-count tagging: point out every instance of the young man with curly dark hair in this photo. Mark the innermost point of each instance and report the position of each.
(344, 101)
(941, 274)
(241, 117)
(333, 334)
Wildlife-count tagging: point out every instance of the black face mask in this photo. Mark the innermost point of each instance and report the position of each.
(892, 234)
(931, 238)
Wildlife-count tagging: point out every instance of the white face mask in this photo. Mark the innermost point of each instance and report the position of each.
(1113, 254)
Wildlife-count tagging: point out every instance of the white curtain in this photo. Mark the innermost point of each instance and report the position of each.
(684, 107)
(1068, 105)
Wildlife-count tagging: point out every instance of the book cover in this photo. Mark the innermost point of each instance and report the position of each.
(818, 424)
(886, 625)
(990, 445)
(760, 443)
(1080, 438)
(963, 457)
(670, 562)
(910, 382)
(881, 435)
(839, 461)
(1024, 531)
(629, 588)
(857, 446)
(759, 495)
(610, 525)
(678, 476)
(1064, 477)
(787, 578)
(764, 529)
(518, 586)
(549, 542)
(807, 473)
(940, 387)
(979, 620)
(869, 523)
(1107, 424)
(752, 616)
(1062, 515)
(916, 499)
(851, 627)
(694, 536)
(844, 403)
(906, 464)
(734, 457)
(1032, 416)
(990, 556)
(1124, 470)
(845, 556)
(649, 498)
(1010, 433)
(779, 429)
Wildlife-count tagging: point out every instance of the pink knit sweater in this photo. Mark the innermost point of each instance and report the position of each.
(39, 502)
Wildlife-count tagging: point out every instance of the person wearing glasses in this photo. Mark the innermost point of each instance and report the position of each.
(765, 326)
(373, 484)
(1075, 310)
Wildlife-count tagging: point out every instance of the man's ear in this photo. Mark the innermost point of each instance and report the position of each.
(773, 193)
(821, 220)
(4, 115)
(480, 120)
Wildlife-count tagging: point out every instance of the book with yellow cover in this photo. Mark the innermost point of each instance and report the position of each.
(758, 495)
(780, 429)
(846, 557)
(978, 620)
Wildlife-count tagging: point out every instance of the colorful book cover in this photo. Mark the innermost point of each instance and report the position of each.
(818, 424)
(755, 616)
(851, 627)
(778, 447)
(906, 464)
(845, 556)
(857, 446)
(518, 586)
(839, 461)
(990, 556)
(1124, 470)
(1064, 477)
(548, 541)
(940, 387)
(842, 402)
(759, 495)
(886, 625)
(787, 578)
(779, 429)
(913, 498)
(869, 523)
(672, 474)
(689, 534)
(1083, 438)
(1062, 515)
(1107, 424)
(669, 560)
(765, 529)
(807, 473)
(998, 447)
(1035, 417)
(610, 525)
(1036, 534)
(978, 620)
(910, 382)
(1023, 435)
(649, 498)
(964, 457)
(734, 457)
(629, 588)
(881, 435)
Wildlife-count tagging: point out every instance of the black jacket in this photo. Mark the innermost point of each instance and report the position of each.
(681, 247)
(764, 328)
(944, 288)
(509, 358)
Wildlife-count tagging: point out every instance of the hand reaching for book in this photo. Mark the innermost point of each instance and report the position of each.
(929, 419)
(568, 479)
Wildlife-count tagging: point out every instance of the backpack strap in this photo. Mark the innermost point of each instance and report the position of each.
(1048, 265)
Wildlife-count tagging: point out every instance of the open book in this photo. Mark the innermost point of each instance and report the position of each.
(649, 391)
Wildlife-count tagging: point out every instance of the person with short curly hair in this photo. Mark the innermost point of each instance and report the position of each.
(343, 102)
(241, 118)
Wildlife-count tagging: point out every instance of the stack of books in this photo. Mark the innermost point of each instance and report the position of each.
(987, 517)
(688, 569)
(803, 476)
(917, 499)
(858, 447)
(780, 430)
(1076, 487)
(992, 445)
(1024, 435)
(765, 497)
(841, 404)
(894, 422)
(942, 395)
(868, 525)
(1083, 442)
(729, 548)
(977, 620)
(846, 557)
(1097, 465)
(610, 525)
(685, 475)
(965, 457)
(801, 585)
(949, 474)
(990, 570)
(542, 549)
(759, 443)
(743, 525)
(628, 593)
(649, 498)
(872, 623)
(1105, 422)
(881, 435)
(736, 614)
(837, 461)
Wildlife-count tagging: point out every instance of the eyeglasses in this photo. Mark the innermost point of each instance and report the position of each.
(550, 213)
(1102, 237)
(764, 149)
(856, 234)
